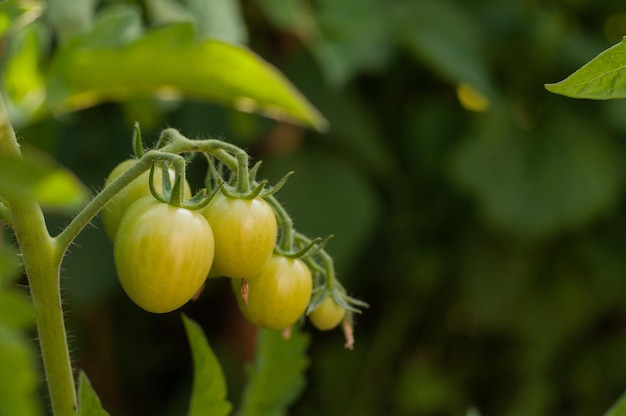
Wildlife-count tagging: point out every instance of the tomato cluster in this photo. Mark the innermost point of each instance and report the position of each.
(166, 243)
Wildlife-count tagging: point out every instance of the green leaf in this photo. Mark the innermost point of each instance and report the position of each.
(209, 385)
(171, 61)
(15, 14)
(277, 377)
(88, 401)
(619, 408)
(38, 177)
(18, 376)
(441, 35)
(22, 80)
(602, 78)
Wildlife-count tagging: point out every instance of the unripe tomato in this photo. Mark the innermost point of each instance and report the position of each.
(114, 211)
(277, 296)
(245, 235)
(163, 254)
(327, 315)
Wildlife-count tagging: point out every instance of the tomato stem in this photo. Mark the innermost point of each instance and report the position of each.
(243, 178)
(42, 261)
(285, 222)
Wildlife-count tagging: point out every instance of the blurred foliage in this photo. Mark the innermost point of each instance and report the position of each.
(488, 243)
(19, 381)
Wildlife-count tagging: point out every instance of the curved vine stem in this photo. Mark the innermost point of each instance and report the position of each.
(285, 222)
(65, 238)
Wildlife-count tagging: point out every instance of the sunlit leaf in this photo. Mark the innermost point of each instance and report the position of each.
(88, 401)
(172, 62)
(602, 78)
(441, 35)
(208, 396)
(22, 80)
(276, 379)
(619, 408)
(39, 178)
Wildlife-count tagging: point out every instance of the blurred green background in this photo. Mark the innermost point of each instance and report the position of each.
(485, 226)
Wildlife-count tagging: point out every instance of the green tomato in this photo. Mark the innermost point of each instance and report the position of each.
(245, 235)
(327, 315)
(163, 254)
(279, 295)
(114, 210)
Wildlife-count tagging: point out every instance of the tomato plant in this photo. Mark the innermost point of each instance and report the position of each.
(114, 211)
(245, 233)
(277, 296)
(163, 242)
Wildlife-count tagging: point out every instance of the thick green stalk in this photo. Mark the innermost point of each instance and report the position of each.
(42, 264)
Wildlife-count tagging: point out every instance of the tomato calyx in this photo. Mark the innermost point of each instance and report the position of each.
(175, 195)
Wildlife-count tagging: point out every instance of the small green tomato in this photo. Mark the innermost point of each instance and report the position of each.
(327, 315)
(278, 295)
(245, 235)
(162, 253)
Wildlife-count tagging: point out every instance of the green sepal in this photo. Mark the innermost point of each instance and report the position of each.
(202, 198)
(273, 189)
(254, 170)
(232, 192)
(177, 196)
(138, 148)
